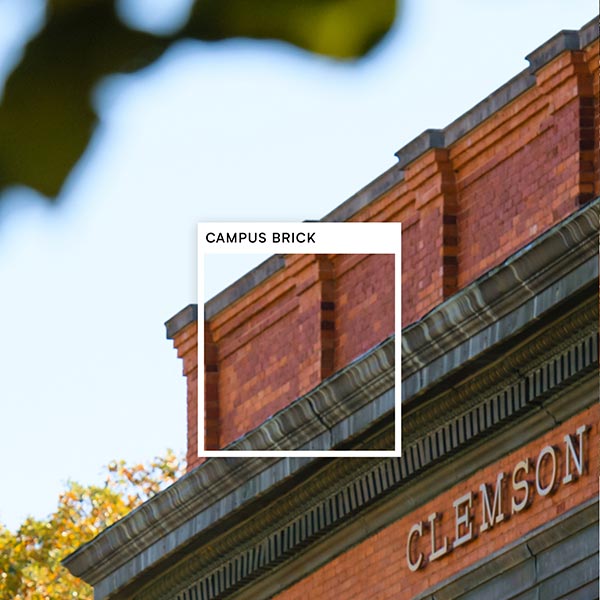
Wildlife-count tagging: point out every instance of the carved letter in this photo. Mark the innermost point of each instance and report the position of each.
(521, 484)
(435, 554)
(416, 529)
(570, 451)
(544, 491)
(493, 515)
(462, 517)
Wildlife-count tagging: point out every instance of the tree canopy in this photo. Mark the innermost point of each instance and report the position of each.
(46, 118)
(30, 567)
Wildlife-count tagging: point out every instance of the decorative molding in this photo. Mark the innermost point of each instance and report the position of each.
(377, 479)
(425, 487)
(507, 370)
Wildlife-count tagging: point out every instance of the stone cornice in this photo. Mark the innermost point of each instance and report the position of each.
(506, 371)
(218, 490)
(504, 300)
(343, 490)
(335, 411)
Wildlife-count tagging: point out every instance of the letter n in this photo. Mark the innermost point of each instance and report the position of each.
(570, 452)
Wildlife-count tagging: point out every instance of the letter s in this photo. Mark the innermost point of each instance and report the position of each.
(520, 484)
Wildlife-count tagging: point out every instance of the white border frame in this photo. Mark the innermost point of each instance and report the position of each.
(329, 238)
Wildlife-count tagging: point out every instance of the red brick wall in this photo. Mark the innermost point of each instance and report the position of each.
(255, 352)
(525, 168)
(464, 209)
(364, 286)
(592, 115)
(277, 342)
(284, 338)
(186, 342)
(377, 568)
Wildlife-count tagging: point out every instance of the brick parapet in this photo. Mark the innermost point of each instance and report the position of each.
(468, 197)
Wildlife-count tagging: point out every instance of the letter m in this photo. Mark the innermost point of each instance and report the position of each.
(491, 515)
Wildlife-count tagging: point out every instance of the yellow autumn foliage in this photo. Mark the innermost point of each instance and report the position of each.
(30, 558)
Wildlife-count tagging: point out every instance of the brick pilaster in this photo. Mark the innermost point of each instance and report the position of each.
(315, 292)
(432, 183)
(211, 391)
(567, 81)
(327, 284)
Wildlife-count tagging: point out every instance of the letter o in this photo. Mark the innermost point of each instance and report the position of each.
(544, 491)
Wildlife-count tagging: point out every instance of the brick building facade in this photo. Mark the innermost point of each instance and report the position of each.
(496, 493)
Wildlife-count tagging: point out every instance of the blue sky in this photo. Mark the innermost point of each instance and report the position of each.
(231, 131)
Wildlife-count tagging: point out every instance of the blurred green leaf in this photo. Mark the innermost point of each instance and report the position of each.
(46, 119)
(337, 28)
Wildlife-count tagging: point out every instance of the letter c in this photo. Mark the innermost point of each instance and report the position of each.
(210, 241)
(417, 528)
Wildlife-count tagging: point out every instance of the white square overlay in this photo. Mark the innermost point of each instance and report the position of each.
(327, 238)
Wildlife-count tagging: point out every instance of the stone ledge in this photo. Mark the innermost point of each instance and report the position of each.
(243, 285)
(220, 486)
(331, 407)
(379, 186)
(561, 42)
(182, 319)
